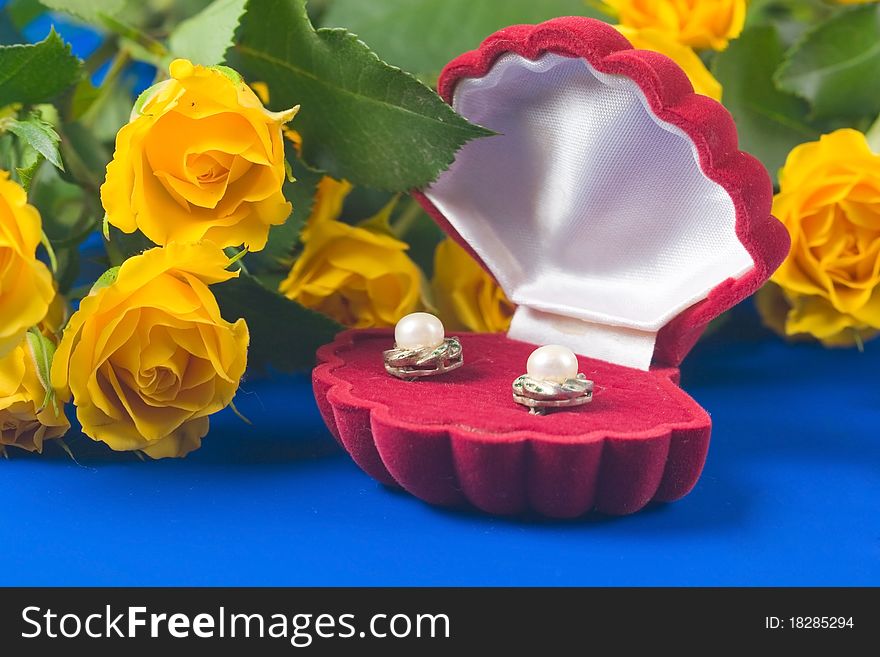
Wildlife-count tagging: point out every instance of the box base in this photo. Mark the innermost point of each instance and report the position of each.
(459, 438)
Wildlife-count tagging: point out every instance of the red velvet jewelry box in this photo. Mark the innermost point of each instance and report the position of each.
(614, 208)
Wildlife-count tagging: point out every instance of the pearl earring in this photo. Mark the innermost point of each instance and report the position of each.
(552, 380)
(421, 348)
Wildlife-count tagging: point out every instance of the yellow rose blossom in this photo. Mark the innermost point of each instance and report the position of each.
(467, 297)
(829, 199)
(359, 275)
(327, 205)
(651, 39)
(262, 91)
(26, 287)
(148, 357)
(695, 23)
(201, 159)
(27, 416)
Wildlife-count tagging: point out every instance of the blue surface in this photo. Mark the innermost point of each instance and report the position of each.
(790, 495)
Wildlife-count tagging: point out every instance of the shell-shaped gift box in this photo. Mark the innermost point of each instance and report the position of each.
(615, 209)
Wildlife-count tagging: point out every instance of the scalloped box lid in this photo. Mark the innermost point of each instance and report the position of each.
(613, 205)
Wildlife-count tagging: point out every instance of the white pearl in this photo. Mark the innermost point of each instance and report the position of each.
(419, 330)
(552, 362)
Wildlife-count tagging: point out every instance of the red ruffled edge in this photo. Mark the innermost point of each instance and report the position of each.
(672, 99)
(510, 473)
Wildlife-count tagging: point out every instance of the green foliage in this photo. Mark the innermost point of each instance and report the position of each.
(63, 206)
(36, 73)
(42, 351)
(122, 246)
(284, 334)
(69, 217)
(92, 11)
(283, 239)
(836, 66)
(38, 134)
(85, 155)
(770, 121)
(106, 279)
(205, 37)
(801, 68)
(28, 167)
(362, 120)
(421, 36)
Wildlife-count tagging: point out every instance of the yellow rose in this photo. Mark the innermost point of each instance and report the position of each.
(829, 199)
(26, 287)
(651, 39)
(359, 275)
(467, 297)
(148, 357)
(27, 416)
(695, 23)
(327, 205)
(201, 159)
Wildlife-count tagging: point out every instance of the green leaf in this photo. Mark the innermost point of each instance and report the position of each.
(85, 155)
(770, 122)
(62, 206)
(177, 11)
(38, 134)
(106, 279)
(792, 18)
(284, 334)
(110, 110)
(205, 38)
(67, 220)
(50, 251)
(836, 66)
(122, 246)
(421, 36)
(68, 271)
(284, 238)
(91, 11)
(361, 119)
(42, 351)
(36, 73)
(27, 170)
(81, 98)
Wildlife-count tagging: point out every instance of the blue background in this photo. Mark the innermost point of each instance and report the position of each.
(790, 495)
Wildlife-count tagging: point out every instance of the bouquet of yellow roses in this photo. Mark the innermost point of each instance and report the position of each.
(159, 239)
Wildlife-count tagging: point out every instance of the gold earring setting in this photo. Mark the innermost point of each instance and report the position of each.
(421, 348)
(552, 381)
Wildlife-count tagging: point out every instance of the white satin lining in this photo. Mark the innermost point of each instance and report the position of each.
(591, 212)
